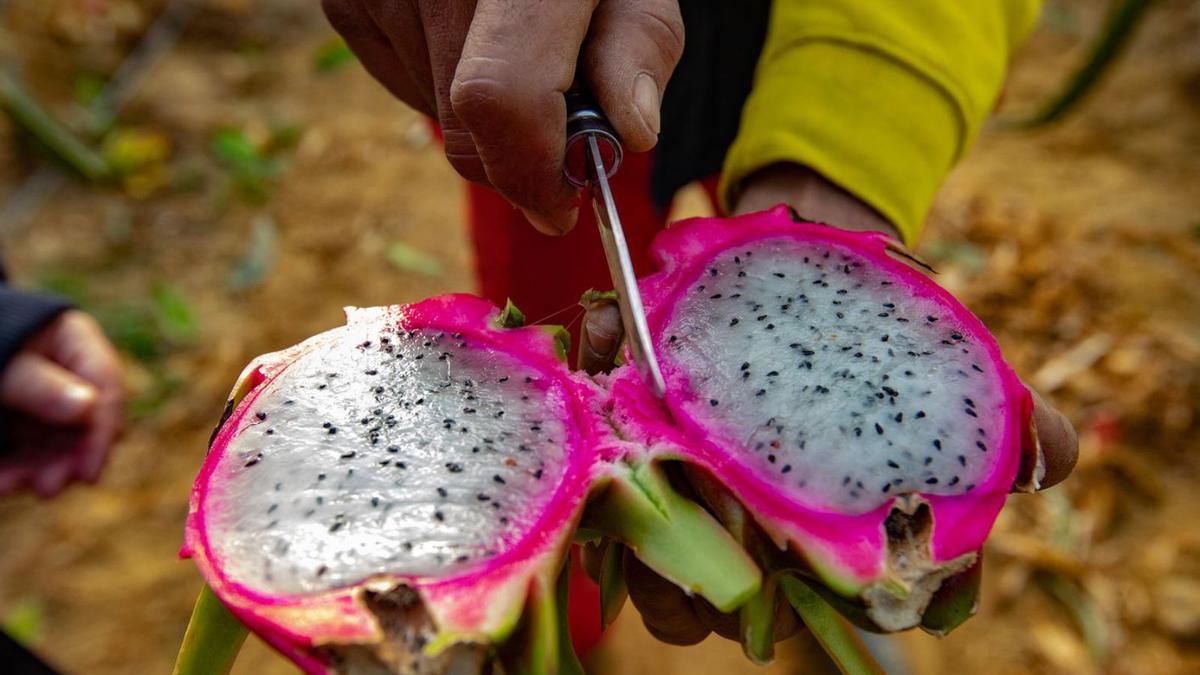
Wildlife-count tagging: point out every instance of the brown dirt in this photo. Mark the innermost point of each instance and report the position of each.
(1079, 246)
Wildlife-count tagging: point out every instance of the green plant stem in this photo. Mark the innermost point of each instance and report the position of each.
(1123, 19)
(213, 639)
(835, 634)
(32, 117)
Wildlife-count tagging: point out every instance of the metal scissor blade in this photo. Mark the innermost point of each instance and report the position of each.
(620, 268)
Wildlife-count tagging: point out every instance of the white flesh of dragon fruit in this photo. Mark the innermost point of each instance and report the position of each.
(333, 479)
(831, 380)
(863, 415)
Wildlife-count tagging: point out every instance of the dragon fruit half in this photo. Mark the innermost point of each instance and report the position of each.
(399, 494)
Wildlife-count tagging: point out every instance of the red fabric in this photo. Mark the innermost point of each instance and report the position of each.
(545, 275)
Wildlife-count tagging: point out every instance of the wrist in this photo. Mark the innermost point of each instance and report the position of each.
(812, 196)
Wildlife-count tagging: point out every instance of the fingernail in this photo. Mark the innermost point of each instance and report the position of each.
(552, 228)
(601, 343)
(76, 399)
(647, 100)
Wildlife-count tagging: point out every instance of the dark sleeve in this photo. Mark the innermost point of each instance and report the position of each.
(23, 313)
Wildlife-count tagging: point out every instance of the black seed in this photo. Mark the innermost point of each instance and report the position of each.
(393, 449)
(893, 464)
(498, 479)
(327, 425)
(745, 365)
(401, 465)
(270, 432)
(261, 416)
(322, 570)
(252, 462)
(454, 467)
(956, 336)
(760, 392)
(931, 481)
(970, 412)
(771, 458)
(320, 476)
(886, 487)
(441, 492)
(889, 391)
(733, 321)
(846, 480)
(770, 326)
(937, 443)
(347, 455)
(371, 372)
(920, 414)
(786, 468)
(953, 481)
(928, 461)
(981, 445)
(899, 417)
(439, 516)
(779, 274)
(713, 402)
(962, 459)
(878, 429)
(858, 431)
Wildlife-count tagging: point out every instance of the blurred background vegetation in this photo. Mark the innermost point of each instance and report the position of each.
(221, 179)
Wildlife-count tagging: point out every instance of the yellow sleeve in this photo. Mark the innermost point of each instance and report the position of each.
(880, 97)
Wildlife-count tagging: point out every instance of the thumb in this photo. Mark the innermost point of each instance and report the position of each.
(601, 337)
(44, 390)
(631, 51)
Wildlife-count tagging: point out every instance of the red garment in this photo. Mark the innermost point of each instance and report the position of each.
(546, 275)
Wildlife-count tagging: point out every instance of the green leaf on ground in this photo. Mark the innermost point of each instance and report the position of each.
(331, 55)
(25, 620)
(408, 258)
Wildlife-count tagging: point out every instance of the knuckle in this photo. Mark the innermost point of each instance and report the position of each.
(482, 89)
(663, 25)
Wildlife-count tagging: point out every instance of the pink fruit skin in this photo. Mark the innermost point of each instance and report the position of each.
(849, 551)
(472, 603)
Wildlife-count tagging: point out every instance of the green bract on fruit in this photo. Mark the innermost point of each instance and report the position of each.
(398, 495)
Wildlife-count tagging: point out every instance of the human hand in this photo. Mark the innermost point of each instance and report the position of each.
(668, 612)
(493, 73)
(61, 398)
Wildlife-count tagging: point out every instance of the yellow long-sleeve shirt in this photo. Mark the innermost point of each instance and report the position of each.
(881, 97)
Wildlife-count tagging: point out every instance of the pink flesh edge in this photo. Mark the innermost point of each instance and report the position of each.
(476, 603)
(850, 549)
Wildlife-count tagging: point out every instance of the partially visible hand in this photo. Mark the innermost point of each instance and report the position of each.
(61, 397)
(666, 610)
(493, 73)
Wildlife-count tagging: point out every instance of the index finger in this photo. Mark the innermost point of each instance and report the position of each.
(518, 60)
